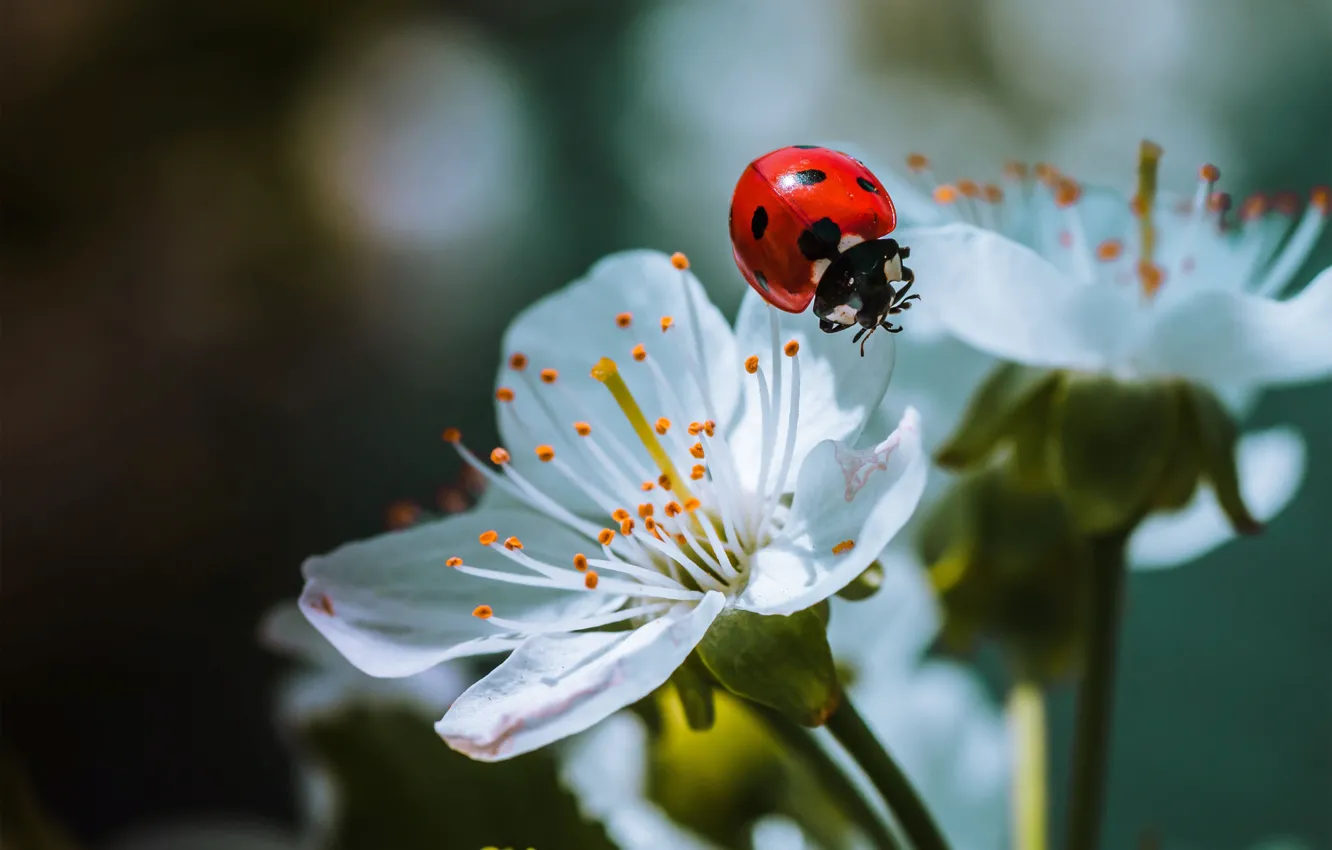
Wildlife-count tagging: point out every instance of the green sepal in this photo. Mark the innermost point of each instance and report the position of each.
(1217, 434)
(1113, 441)
(693, 685)
(992, 414)
(865, 585)
(783, 662)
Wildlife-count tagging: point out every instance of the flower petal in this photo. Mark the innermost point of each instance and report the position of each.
(1005, 299)
(839, 389)
(842, 494)
(392, 607)
(1225, 338)
(893, 628)
(571, 329)
(554, 686)
(1271, 469)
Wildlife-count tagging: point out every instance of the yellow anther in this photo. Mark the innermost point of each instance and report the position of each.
(662, 425)
(1016, 170)
(1320, 198)
(695, 428)
(709, 427)
(680, 538)
(696, 450)
(1045, 172)
(844, 546)
(605, 536)
(499, 457)
(664, 481)
(518, 361)
(1066, 192)
(582, 428)
(645, 509)
(1210, 173)
(627, 527)
(666, 322)
(619, 515)
(590, 580)
(512, 543)
(504, 394)
(650, 524)
(692, 505)
(609, 374)
(945, 194)
(580, 562)
(792, 348)
(993, 193)
(451, 435)
(1109, 250)
(455, 561)
(680, 261)
(751, 363)
(647, 485)
(624, 320)
(545, 454)
(917, 161)
(488, 537)
(673, 509)
(697, 472)
(638, 352)
(548, 376)
(1151, 276)
(484, 612)
(968, 188)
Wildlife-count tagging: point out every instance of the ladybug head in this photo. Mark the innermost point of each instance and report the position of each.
(863, 286)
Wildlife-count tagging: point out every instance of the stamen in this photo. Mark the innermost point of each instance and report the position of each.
(638, 352)
(1110, 250)
(1286, 203)
(1298, 247)
(451, 435)
(680, 261)
(666, 323)
(709, 427)
(605, 537)
(455, 561)
(673, 509)
(647, 576)
(917, 162)
(607, 373)
(945, 194)
(580, 562)
(696, 450)
(488, 537)
(573, 624)
(484, 612)
(499, 457)
(627, 527)
(549, 376)
(664, 481)
(545, 453)
(1149, 159)
(1046, 173)
(624, 320)
(323, 604)
(751, 363)
(788, 454)
(512, 543)
(1015, 170)
(504, 394)
(1255, 206)
(695, 428)
(691, 505)
(792, 348)
(647, 486)
(590, 580)
(697, 472)
(619, 515)
(518, 361)
(844, 546)
(645, 509)
(662, 425)
(576, 580)
(582, 428)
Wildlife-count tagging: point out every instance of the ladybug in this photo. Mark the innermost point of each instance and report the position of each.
(809, 224)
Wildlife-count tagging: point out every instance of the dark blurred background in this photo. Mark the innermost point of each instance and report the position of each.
(256, 254)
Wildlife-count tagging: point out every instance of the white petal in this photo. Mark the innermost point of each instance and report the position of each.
(1005, 299)
(839, 389)
(892, 629)
(774, 832)
(285, 630)
(1271, 468)
(554, 686)
(938, 377)
(397, 609)
(1227, 338)
(314, 694)
(864, 496)
(571, 329)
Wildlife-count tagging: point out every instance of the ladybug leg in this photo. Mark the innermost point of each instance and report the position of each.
(831, 327)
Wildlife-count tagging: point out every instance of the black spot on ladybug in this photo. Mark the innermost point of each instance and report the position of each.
(866, 185)
(759, 223)
(819, 242)
(809, 177)
(806, 147)
(762, 280)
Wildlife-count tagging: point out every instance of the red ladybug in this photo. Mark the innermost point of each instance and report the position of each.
(808, 224)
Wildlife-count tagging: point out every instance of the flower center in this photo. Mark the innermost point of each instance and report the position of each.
(671, 536)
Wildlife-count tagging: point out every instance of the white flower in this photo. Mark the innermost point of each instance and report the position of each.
(1047, 273)
(620, 494)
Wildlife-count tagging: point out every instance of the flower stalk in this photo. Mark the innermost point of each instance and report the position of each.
(850, 730)
(1026, 717)
(1091, 737)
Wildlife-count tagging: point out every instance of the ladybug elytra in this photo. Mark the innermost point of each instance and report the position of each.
(809, 224)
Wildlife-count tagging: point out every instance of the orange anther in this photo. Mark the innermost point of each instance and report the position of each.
(751, 363)
(1286, 203)
(664, 481)
(1253, 207)
(451, 435)
(662, 425)
(1016, 170)
(1151, 276)
(844, 546)
(993, 193)
(1219, 202)
(673, 509)
(1045, 172)
(696, 450)
(917, 162)
(692, 505)
(582, 428)
(499, 457)
(1067, 192)
(322, 604)
(402, 514)
(624, 320)
(695, 428)
(548, 376)
(484, 612)
(945, 194)
(1320, 198)
(638, 352)
(590, 580)
(545, 454)
(666, 322)
(488, 537)
(647, 485)
(605, 536)
(680, 261)
(792, 348)
(504, 394)
(512, 543)
(645, 509)
(1109, 250)
(627, 527)
(455, 561)
(681, 539)
(968, 188)
(580, 562)
(1210, 173)
(619, 515)
(517, 361)
(709, 427)
(697, 472)
(649, 524)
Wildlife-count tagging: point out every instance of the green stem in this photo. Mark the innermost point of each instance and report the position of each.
(1026, 716)
(1091, 737)
(840, 787)
(848, 727)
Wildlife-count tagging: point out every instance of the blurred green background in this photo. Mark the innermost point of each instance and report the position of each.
(256, 254)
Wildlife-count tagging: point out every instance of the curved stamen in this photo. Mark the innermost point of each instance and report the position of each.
(1298, 247)
(574, 624)
(578, 581)
(788, 452)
